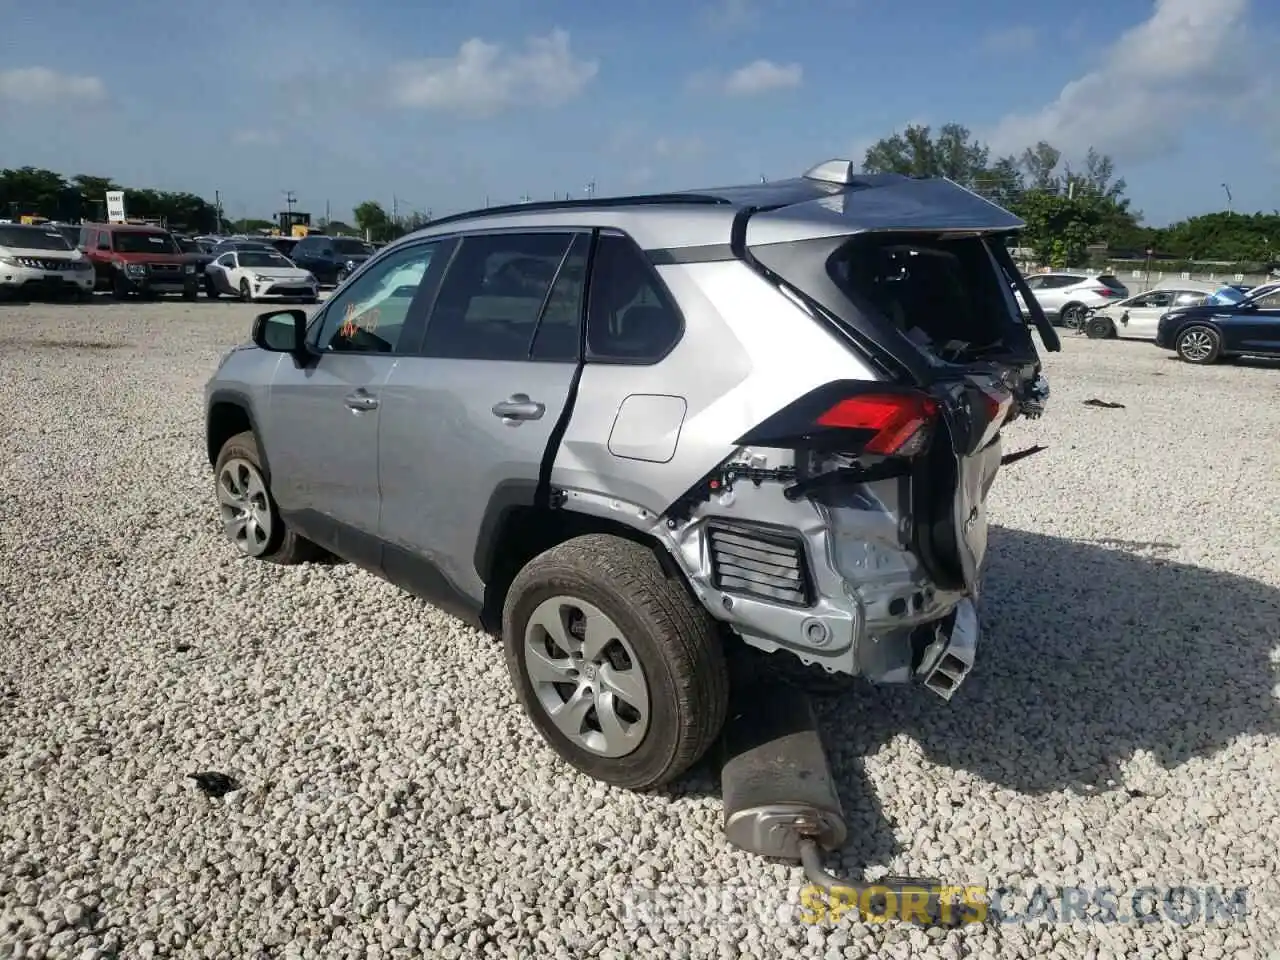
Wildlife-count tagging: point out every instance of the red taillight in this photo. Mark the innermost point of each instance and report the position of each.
(900, 422)
(1108, 292)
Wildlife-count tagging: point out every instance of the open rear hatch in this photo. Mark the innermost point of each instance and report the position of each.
(913, 275)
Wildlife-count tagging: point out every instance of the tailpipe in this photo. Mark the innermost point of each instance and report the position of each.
(780, 801)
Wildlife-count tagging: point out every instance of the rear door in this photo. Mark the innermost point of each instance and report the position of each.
(467, 421)
(323, 416)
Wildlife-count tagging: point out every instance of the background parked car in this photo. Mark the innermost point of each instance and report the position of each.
(1066, 297)
(1136, 317)
(197, 253)
(259, 275)
(331, 259)
(1215, 331)
(131, 259)
(40, 260)
(284, 244)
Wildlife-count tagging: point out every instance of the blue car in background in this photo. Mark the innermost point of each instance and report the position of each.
(1229, 324)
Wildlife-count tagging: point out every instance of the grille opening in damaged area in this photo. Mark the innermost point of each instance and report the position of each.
(764, 564)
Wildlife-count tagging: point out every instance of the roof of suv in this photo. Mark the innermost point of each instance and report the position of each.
(127, 227)
(829, 200)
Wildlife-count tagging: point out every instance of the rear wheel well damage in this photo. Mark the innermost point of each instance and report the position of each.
(524, 532)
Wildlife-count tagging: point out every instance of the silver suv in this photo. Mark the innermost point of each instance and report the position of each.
(627, 433)
(1068, 297)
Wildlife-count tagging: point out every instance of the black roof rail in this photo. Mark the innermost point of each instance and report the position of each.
(606, 203)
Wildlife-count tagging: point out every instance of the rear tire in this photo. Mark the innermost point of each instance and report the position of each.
(1072, 315)
(240, 481)
(667, 644)
(1197, 344)
(1099, 328)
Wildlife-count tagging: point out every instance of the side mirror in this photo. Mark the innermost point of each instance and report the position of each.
(281, 331)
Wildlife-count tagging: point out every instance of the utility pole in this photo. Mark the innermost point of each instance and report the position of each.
(217, 211)
(591, 190)
(1229, 201)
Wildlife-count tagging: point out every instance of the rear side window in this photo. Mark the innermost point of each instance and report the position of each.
(935, 291)
(493, 294)
(631, 317)
(1107, 280)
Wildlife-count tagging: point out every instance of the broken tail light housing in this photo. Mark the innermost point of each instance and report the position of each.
(898, 424)
(852, 418)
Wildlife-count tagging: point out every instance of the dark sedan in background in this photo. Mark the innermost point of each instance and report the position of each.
(1249, 327)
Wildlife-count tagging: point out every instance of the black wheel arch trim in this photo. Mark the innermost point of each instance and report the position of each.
(240, 399)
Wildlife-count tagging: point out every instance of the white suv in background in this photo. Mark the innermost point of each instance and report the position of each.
(1066, 297)
(39, 260)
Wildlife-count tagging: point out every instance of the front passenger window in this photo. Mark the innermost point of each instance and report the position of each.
(369, 315)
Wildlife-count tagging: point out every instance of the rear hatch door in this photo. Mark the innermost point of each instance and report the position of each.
(916, 274)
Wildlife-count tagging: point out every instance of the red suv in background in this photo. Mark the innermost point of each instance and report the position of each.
(138, 259)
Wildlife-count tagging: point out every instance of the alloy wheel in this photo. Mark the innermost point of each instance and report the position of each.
(1196, 345)
(244, 507)
(586, 677)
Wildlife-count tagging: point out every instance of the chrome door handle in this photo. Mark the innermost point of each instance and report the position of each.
(360, 400)
(519, 407)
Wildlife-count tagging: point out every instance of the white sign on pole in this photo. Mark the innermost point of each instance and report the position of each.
(115, 206)
(1137, 274)
(1186, 275)
(1239, 278)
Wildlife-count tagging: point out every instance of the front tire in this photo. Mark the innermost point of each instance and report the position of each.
(1197, 344)
(619, 669)
(211, 289)
(120, 288)
(1099, 328)
(246, 295)
(248, 513)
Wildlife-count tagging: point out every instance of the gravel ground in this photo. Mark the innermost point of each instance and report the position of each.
(1120, 729)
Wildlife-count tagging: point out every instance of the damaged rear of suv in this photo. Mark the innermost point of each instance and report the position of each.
(622, 432)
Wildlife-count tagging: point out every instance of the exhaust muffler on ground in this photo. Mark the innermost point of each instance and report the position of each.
(781, 802)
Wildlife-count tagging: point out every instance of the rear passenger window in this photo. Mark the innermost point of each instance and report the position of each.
(492, 295)
(631, 317)
(559, 329)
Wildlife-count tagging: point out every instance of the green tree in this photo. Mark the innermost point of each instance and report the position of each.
(1059, 228)
(916, 152)
(371, 219)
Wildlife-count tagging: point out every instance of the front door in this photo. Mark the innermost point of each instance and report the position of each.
(1139, 319)
(1258, 329)
(324, 415)
(466, 424)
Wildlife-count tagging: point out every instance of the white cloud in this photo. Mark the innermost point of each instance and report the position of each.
(1011, 40)
(1183, 61)
(759, 76)
(42, 86)
(484, 79)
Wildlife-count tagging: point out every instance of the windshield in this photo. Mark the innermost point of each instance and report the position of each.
(32, 238)
(1258, 292)
(1226, 295)
(190, 246)
(263, 258)
(144, 241)
(355, 247)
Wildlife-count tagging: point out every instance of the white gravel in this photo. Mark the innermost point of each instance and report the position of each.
(1120, 729)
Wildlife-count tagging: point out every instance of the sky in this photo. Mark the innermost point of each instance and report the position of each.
(444, 105)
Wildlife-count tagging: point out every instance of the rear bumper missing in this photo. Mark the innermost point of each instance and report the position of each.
(846, 596)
